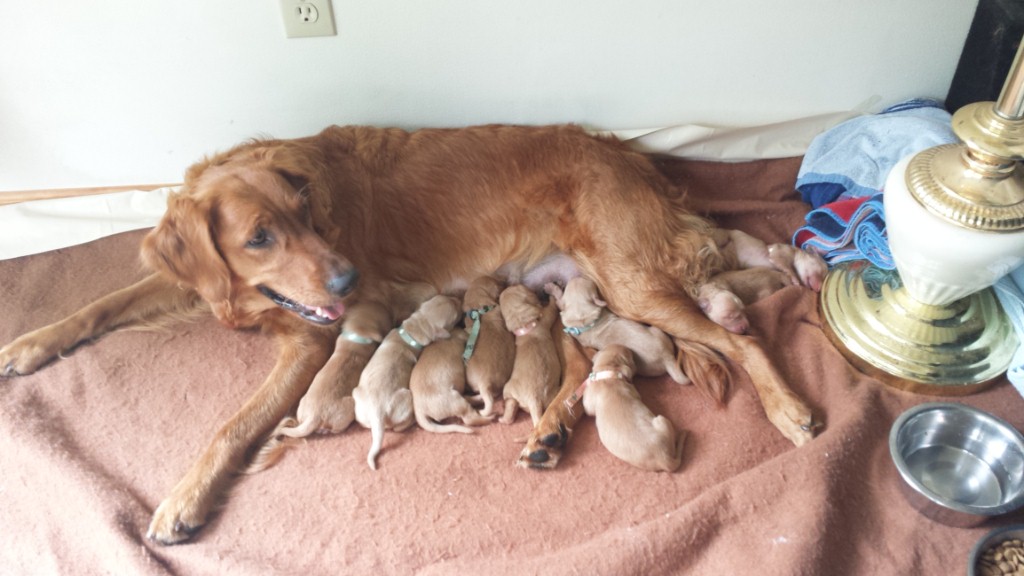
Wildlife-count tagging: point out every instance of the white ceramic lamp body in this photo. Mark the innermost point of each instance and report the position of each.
(941, 262)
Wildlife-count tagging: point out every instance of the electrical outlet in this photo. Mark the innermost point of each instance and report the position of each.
(304, 18)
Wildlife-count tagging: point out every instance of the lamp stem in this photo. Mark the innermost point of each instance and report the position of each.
(1011, 99)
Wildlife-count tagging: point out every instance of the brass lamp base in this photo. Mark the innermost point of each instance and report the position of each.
(881, 329)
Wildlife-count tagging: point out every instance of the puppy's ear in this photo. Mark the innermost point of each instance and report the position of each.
(182, 247)
(595, 298)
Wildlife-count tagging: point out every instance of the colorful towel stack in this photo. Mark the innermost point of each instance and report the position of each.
(844, 172)
(848, 229)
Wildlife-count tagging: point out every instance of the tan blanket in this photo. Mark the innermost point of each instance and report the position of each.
(91, 443)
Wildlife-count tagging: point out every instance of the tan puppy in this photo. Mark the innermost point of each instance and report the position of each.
(626, 427)
(586, 316)
(490, 354)
(382, 398)
(536, 372)
(724, 296)
(328, 407)
(741, 250)
(437, 383)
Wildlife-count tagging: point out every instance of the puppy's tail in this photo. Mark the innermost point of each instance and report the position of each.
(332, 418)
(377, 436)
(705, 367)
(296, 429)
(675, 371)
(431, 426)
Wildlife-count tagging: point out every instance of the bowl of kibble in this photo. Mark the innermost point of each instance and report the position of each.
(999, 552)
(960, 466)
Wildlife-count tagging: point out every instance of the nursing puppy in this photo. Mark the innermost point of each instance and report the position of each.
(741, 250)
(724, 296)
(328, 407)
(382, 398)
(492, 348)
(437, 384)
(536, 371)
(586, 316)
(626, 427)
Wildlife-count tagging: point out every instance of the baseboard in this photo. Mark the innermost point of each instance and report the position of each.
(26, 195)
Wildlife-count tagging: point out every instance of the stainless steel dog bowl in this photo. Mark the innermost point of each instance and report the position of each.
(996, 537)
(960, 465)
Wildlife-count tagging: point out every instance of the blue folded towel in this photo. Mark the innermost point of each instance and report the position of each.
(854, 158)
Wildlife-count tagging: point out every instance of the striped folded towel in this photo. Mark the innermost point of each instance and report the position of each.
(848, 229)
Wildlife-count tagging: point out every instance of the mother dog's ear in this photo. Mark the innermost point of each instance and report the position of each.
(181, 246)
(302, 166)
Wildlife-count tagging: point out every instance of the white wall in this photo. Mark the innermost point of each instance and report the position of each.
(114, 92)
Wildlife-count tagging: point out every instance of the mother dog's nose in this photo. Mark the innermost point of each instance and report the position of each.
(344, 282)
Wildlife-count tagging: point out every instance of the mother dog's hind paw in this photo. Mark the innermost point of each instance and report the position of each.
(795, 421)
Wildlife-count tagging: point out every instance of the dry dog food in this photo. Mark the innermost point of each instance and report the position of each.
(1004, 558)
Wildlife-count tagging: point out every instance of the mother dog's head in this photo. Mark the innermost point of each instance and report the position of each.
(251, 232)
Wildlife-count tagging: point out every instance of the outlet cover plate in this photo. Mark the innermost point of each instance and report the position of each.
(305, 18)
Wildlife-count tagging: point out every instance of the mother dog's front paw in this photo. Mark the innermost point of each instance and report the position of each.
(30, 352)
(543, 449)
(174, 522)
(24, 356)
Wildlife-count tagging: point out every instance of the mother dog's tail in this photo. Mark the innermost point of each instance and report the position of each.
(706, 368)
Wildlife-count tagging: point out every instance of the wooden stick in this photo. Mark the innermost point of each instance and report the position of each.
(26, 195)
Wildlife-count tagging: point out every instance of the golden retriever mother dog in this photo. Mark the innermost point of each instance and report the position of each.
(286, 234)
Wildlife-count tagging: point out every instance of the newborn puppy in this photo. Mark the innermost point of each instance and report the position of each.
(741, 250)
(492, 348)
(626, 427)
(437, 383)
(328, 407)
(724, 297)
(382, 398)
(536, 371)
(586, 316)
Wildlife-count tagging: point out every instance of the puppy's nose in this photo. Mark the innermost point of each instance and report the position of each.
(344, 282)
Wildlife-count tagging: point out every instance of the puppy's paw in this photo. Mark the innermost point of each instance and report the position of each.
(782, 258)
(175, 521)
(811, 268)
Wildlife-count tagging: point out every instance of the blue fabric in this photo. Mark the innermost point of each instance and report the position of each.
(854, 158)
(1010, 292)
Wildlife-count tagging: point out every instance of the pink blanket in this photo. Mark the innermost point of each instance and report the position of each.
(91, 444)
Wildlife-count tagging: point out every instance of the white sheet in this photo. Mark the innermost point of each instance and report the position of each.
(41, 225)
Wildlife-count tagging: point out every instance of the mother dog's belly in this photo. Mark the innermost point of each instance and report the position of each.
(557, 267)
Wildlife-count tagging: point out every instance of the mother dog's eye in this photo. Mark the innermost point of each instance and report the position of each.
(259, 239)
